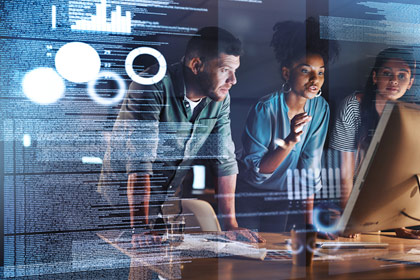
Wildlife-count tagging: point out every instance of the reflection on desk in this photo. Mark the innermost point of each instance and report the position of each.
(171, 262)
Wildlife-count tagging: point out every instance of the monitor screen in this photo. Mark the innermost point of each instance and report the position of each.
(386, 191)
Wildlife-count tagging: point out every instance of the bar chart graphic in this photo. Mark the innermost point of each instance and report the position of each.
(99, 22)
(53, 17)
(300, 184)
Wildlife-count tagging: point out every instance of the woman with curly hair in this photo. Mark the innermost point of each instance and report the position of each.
(285, 131)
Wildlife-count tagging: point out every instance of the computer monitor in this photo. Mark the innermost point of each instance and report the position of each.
(386, 193)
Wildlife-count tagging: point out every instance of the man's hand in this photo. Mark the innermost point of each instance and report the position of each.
(226, 197)
(407, 233)
(142, 240)
(243, 234)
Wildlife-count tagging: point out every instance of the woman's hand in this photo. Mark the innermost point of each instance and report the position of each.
(296, 127)
(273, 159)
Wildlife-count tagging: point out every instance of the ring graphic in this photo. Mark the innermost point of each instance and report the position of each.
(324, 218)
(142, 80)
(296, 249)
(107, 101)
(311, 245)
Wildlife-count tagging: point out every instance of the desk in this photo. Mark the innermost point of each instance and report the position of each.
(356, 263)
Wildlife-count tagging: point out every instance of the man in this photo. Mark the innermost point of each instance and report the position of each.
(169, 124)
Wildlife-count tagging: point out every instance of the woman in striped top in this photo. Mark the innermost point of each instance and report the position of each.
(358, 116)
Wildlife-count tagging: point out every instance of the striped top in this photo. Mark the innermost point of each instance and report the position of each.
(346, 128)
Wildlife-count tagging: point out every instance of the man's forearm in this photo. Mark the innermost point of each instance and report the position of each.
(226, 186)
(138, 194)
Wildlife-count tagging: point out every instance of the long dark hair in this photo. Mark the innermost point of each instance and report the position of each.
(369, 115)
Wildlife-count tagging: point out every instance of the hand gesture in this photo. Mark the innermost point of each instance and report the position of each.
(296, 127)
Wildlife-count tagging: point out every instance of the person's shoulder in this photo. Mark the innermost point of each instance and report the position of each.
(353, 99)
(171, 83)
(268, 102)
(264, 106)
(174, 72)
(350, 106)
(269, 99)
(158, 85)
(351, 103)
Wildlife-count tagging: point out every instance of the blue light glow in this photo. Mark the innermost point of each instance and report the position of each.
(43, 85)
(199, 182)
(26, 140)
(92, 160)
(77, 62)
(325, 218)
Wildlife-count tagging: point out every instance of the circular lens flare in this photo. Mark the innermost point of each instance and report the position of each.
(77, 62)
(43, 85)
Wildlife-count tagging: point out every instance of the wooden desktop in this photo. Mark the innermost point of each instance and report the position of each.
(354, 263)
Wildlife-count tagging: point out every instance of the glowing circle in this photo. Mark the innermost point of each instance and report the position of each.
(297, 250)
(318, 216)
(141, 80)
(107, 101)
(43, 85)
(311, 245)
(77, 62)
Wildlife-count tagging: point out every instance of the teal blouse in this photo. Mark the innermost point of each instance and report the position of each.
(268, 121)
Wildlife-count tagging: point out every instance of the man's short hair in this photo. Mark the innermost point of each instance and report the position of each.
(209, 42)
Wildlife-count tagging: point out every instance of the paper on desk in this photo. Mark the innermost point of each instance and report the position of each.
(348, 245)
(351, 245)
(286, 255)
(414, 251)
(411, 257)
(220, 246)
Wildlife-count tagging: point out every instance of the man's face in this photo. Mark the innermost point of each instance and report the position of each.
(218, 76)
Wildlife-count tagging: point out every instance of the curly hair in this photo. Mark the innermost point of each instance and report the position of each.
(293, 40)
